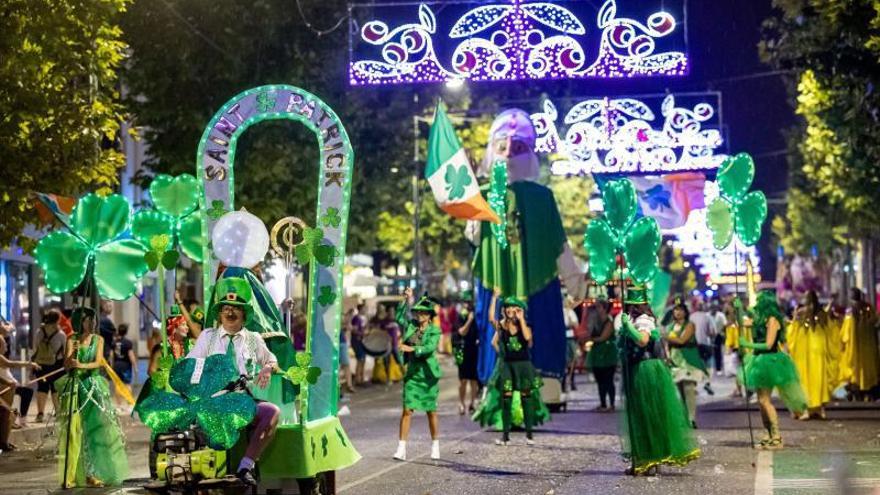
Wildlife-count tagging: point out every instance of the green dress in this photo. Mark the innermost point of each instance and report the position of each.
(655, 428)
(685, 360)
(90, 441)
(421, 382)
(774, 369)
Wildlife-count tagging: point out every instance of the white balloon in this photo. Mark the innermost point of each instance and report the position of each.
(240, 239)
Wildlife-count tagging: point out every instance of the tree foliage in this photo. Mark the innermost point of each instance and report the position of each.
(59, 102)
(572, 196)
(830, 49)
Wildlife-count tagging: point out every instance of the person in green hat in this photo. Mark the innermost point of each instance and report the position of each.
(421, 381)
(655, 429)
(688, 368)
(232, 308)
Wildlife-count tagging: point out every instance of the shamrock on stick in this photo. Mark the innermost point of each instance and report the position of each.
(96, 225)
(619, 233)
(303, 373)
(735, 210)
(175, 215)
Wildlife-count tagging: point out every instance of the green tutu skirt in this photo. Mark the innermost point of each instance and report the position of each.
(775, 370)
(521, 376)
(654, 424)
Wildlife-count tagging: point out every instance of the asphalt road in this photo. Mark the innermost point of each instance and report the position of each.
(576, 453)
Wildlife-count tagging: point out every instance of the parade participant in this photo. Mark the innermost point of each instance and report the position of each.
(769, 368)
(91, 445)
(358, 323)
(232, 307)
(814, 342)
(466, 350)
(688, 368)
(512, 340)
(421, 381)
(602, 356)
(861, 357)
(193, 313)
(655, 427)
(737, 326)
(48, 352)
(124, 361)
(572, 347)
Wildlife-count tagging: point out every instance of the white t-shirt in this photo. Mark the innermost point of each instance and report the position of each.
(704, 325)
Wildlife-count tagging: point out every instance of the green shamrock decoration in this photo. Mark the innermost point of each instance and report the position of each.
(176, 214)
(159, 253)
(217, 209)
(311, 248)
(265, 101)
(498, 201)
(331, 218)
(735, 210)
(324, 443)
(341, 437)
(94, 245)
(221, 416)
(302, 373)
(618, 233)
(327, 296)
(456, 181)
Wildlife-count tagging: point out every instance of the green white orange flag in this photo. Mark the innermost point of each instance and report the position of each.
(449, 173)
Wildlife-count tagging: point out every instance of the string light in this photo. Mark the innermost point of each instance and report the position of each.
(512, 41)
(624, 135)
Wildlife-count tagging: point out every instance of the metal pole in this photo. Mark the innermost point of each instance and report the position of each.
(417, 259)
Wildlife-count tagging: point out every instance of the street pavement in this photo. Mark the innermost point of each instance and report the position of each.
(578, 452)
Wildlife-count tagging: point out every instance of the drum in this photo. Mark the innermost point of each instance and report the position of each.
(377, 343)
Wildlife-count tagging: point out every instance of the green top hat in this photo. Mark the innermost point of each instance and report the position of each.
(424, 305)
(80, 314)
(232, 291)
(513, 301)
(198, 315)
(637, 294)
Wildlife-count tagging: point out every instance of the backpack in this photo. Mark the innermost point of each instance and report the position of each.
(45, 354)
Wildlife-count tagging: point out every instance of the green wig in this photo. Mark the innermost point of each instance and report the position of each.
(766, 307)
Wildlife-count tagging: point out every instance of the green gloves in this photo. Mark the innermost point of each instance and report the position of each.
(745, 344)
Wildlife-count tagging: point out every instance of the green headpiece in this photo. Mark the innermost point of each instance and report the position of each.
(198, 315)
(232, 291)
(80, 314)
(175, 311)
(636, 294)
(513, 301)
(424, 305)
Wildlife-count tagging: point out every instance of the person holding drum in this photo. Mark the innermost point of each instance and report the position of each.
(421, 382)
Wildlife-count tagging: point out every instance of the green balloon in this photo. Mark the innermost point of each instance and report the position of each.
(640, 245)
(751, 212)
(735, 176)
(64, 260)
(621, 205)
(189, 235)
(119, 266)
(149, 223)
(175, 196)
(719, 219)
(601, 246)
(97, 220)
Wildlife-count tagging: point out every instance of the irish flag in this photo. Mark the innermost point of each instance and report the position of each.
(449, 173)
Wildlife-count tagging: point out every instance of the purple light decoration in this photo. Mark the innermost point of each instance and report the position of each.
(605, 135)
(516, 40)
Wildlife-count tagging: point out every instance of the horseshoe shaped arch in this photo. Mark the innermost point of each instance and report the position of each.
(214, 167)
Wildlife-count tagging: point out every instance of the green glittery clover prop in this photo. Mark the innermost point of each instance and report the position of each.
(312, 248)
(200, 398)
(303, 372)
(735, 209)
(94, 245)
(617, 232)
(497, 198)
(175, 214)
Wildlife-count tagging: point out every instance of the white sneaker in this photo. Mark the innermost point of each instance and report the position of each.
(343, 411)
(502, 443)
(400, 455)
(529, 441)
(435, 449)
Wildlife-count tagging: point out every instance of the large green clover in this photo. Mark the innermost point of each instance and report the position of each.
(96, 225)
(199, 398)
(735, 210)
(175, 214)
(618, 233)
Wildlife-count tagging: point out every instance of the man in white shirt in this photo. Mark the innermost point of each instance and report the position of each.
(232, 307)
(705, 331)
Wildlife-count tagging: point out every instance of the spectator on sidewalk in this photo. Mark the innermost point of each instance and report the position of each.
(719, 321)
(705, 331)
(8, 385)
(358, 323)
(106, 328)
(124, 360)
(48, 353)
